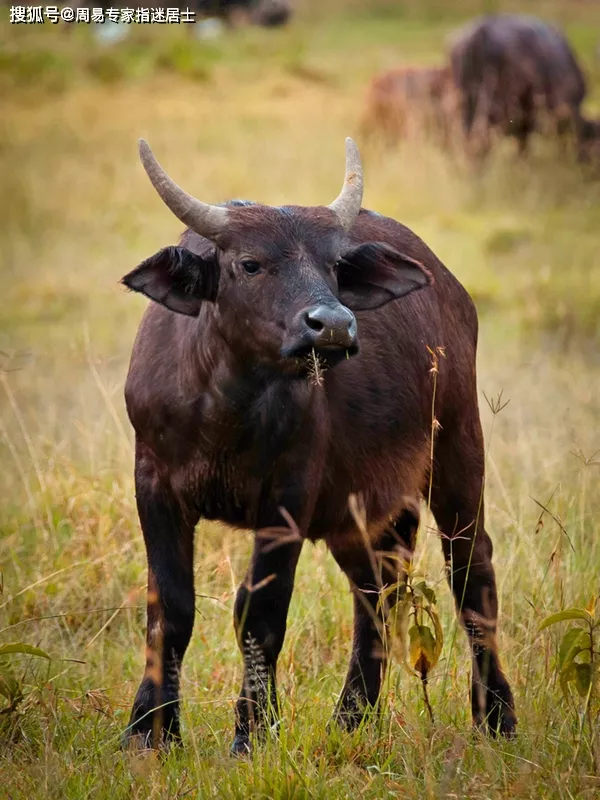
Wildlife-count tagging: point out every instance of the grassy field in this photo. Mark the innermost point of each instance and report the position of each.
(263, 115)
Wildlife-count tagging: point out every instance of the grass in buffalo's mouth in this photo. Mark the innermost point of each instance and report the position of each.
(316, 366)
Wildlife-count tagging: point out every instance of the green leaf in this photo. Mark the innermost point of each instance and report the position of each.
(22, 649)
(426, 592)
(397, 592)
(398, 625)
(573, 642)
(565, 677)
(423, 649)
(583, 678)
(439, 633)
(568, 613)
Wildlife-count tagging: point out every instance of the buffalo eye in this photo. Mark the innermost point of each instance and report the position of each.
(250, 266)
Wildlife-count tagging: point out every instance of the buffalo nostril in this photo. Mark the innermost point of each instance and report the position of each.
(313, 322)
(329, 327)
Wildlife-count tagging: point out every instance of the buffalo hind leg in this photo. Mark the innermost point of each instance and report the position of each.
(368, 571)
(457, 504)
(168, 530)
(260, 618)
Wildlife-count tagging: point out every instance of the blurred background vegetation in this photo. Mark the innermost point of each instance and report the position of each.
(262, 114)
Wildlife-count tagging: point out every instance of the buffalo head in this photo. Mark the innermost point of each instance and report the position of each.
(280, 282)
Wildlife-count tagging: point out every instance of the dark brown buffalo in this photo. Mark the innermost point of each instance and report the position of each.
(232, 425)
(409, 102)
(516, 75)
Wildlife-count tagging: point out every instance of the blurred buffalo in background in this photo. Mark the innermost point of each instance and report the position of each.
(516, 75)
(408, 102)
(268, 13)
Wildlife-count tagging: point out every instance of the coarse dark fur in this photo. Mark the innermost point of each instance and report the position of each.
(231, 426)
(517, 75)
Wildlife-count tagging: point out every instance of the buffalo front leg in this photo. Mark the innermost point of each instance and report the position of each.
(370, 570)
(457, 504)
(260, 618)
(168, 528)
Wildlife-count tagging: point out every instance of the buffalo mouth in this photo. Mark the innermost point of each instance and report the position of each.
(309, 360)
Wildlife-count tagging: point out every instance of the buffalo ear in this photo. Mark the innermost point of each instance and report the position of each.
(176, 278)
(374, 273)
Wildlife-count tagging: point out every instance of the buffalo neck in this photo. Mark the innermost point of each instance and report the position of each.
(236, 384)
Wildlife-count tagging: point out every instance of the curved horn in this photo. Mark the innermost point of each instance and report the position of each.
(347, 203)
(205, 219)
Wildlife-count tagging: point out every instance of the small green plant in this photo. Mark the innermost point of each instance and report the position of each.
(417, 636)
(11, 687)
(578, 651)
(577, 663)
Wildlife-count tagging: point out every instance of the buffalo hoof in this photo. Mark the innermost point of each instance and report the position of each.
(500, 718)
(501, 721)
(347, 720)
(139, 737)
(136, 742)
(152, 726)
(352, 708)
(241, 746)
